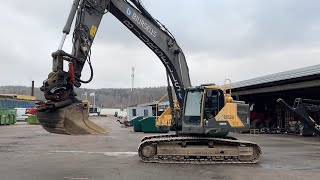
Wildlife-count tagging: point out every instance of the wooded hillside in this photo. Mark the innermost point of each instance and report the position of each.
(105, 98)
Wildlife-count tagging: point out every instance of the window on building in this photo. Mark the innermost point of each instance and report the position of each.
(134, 112)
(145, 112)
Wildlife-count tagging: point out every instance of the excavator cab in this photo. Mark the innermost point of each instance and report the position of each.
(207, 111)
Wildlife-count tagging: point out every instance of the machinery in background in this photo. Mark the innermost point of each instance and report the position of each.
(260, 117)
(164, 120)
(307, 111)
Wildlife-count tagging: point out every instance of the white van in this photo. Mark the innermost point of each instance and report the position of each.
(21, 114)
(122, 114)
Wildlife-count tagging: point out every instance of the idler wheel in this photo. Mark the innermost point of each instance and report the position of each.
(149, 150)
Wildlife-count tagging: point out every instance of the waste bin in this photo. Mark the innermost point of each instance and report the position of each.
(2, 116)
(5, 119)
(2, 119)
(32, 119)
(12, 116)
(148, 125)
(135, 122)
(7, 116)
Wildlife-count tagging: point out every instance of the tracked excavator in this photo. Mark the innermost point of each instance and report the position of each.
(205, 115)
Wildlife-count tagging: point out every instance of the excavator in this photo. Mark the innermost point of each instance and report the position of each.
(205, 115)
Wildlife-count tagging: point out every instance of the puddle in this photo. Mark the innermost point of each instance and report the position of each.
(126, 154)
(112, 154)
(74, 178)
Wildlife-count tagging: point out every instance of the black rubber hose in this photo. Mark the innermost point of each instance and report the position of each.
(91, 76)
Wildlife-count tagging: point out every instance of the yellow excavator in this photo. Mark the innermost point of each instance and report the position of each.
(204, 116)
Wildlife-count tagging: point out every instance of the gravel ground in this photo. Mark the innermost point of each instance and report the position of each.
(29, 152)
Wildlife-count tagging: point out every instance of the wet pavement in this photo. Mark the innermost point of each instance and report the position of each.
(29, 152)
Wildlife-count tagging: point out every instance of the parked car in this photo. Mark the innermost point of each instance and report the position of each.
(121, 114)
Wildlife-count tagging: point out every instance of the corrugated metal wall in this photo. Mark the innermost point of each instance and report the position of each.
(10, 104)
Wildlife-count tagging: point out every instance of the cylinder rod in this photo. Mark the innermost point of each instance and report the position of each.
(67, 26)
(72, 13)
(62, 41)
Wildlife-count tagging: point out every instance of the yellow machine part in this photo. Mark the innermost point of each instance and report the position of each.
(19, 97)
(230, 113)
(165, 118)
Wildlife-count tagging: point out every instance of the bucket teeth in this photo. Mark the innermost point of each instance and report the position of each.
(71, 119)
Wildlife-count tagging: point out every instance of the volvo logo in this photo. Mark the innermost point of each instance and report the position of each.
(128, 12)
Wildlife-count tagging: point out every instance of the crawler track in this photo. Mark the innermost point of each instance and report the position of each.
(173, 148)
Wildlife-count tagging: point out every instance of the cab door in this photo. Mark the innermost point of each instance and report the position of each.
(213, 102)
(192, 110)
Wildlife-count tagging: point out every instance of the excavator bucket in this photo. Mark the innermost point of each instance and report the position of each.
(71, 120)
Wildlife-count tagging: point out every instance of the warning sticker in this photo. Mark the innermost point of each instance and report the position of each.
(93, 30)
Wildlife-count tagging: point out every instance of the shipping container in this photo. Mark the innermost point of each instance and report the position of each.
(11, 104)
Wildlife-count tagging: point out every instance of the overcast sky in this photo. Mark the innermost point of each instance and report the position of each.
(220, 38)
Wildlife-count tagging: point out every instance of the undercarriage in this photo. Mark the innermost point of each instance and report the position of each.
(197, 150)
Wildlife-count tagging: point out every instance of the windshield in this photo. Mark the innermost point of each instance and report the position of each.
(193, 104)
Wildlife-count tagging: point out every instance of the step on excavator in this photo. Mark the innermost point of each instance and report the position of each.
(205, 115)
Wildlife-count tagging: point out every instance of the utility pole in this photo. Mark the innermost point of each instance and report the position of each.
(132, 78)
(94, 99)
(132, 84)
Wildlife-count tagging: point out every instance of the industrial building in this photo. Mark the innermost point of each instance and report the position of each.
(262, 94)
(147, 109)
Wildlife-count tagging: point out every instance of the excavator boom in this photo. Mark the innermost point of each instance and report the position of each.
(58, 88)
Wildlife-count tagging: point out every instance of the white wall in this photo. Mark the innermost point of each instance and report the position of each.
(107, 111)
(139, 111)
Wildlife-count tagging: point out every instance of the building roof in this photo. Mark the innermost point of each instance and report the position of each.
(281, 76)
(147, 104)
(18, 97)
(164, 103)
